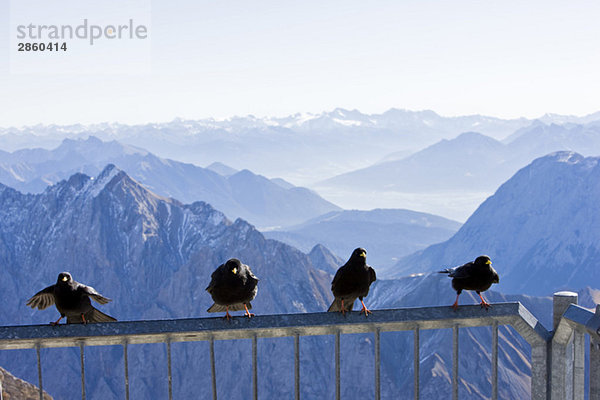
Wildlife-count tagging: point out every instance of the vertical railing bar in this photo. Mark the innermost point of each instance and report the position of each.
(594, 367)
(495, 360)
(417, 362)
(377, 364)
(338, 393)
(455, 363)
(82, 359)
(169, 369)
(254, 367)
(213, 370)
(578, 365)
(39, 366)
(126, 366)
(297, 366)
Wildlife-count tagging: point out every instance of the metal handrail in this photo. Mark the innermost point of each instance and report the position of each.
(568, 354)
(278, 325)
(294, 325)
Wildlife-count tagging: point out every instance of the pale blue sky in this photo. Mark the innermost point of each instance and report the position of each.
(224, 58)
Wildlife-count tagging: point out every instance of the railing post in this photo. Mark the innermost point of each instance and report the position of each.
(416, 362)
(495, 361)
(39, 365)
(254, 367)
(579, 366)
(126, 367)
(297, 366)
(81, 355)
(378, 364)
(169, 368)
(338, 389)
(213, 369)
(595, 363)
(562, 377)
(539, 370)
(455, 362)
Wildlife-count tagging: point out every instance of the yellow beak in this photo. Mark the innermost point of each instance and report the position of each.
(65, 279)
(234, 270)
(488, 262)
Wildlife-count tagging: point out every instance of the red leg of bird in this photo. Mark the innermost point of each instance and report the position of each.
(227, 316)
(365, 309)
(56, 322)
(484, 303)
(83, 319)
(343, 309)
(248, 313)
(455, 305)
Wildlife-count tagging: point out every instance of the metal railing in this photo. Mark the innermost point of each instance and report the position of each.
(571, 324)
(551, 366)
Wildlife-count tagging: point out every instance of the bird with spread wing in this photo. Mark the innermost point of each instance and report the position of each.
(72, 299)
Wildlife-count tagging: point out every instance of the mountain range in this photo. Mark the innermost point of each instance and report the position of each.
(301, 148)
(311, 149)
(154, 257)
(255, 198)
(386, 234)
(469, 168)
(128, 237)
(541, 228)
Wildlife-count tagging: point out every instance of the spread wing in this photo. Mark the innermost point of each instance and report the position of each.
(90, 291)
(42, 299)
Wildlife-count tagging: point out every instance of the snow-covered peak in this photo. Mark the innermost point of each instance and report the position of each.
(541, 228)
(569, 157)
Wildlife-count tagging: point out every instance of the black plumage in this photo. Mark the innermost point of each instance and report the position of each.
(72, 299)
(232, 287)
(351, 281)
(476, 275)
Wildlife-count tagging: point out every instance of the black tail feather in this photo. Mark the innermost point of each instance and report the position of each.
(337, 305)
(232, 307)
(92, 316)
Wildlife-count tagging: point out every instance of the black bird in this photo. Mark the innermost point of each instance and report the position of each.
(72, 300)
(476, 275)
(352, 280)
(232, 287)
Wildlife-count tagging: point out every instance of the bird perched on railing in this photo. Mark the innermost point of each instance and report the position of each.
(232, 287)
(476, 275)
(72, 299)
(352, 280)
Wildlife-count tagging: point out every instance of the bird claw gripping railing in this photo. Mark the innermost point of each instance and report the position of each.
(560, 378)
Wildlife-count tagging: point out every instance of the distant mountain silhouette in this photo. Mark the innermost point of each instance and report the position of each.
(244, 194)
